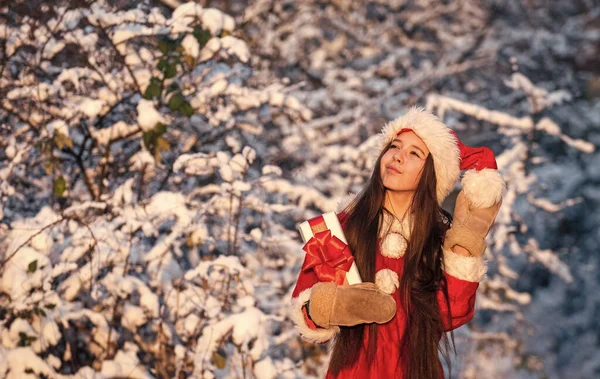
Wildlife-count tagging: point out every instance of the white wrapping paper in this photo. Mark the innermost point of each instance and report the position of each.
(333, 224)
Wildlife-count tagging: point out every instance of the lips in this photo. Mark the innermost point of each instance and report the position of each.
(393, 169)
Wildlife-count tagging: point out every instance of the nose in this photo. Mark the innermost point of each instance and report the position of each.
(398, 156)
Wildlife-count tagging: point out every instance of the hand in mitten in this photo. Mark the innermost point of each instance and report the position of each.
(349, 305)
(470, 225)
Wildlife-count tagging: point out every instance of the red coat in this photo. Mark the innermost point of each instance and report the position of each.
(462, 286)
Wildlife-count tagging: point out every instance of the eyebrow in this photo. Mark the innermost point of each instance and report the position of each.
(415, 146)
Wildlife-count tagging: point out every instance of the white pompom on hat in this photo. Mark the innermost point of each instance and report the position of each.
(482, 183)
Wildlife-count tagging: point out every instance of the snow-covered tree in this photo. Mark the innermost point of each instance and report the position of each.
(133, 194)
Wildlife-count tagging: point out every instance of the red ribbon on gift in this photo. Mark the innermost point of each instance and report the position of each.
(328, 256)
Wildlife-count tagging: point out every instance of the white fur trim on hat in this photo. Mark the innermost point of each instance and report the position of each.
(319, 335)
(471, 269)
(439, 140)
(387, 280)
(483, 188)
(393, 246)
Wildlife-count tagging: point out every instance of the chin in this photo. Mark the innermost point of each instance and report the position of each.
(396, 188)
(400, 189)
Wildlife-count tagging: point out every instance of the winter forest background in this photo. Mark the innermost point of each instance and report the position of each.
(156, 156)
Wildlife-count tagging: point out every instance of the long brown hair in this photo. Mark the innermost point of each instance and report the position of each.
(419, 283)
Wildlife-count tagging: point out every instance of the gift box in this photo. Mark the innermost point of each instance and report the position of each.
(327, 251)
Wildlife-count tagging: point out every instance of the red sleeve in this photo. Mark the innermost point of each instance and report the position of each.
(305, 281)
(308, 330)
(461, 294)
(310, 323)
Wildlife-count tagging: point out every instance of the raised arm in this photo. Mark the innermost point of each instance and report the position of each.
(476, 208)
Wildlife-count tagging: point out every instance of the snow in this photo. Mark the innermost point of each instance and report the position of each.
(243, 327)
(550, 260)
(57, 126)
(115, 131)
(128, 31)
(52, 48)
(133, 317)
(15, 363)
(190, 46)
(218, 87)
(548, 206)
(54, 361)
(142, 160)
(265, 369)
(125, 364)
(212, 19)
(199, 235)
(194, 164)
(187, 10)
(270, 169)
(216, 21)
(148, 117)
(125, 286)
(17, 280)
(228, 46)
(549, 126)
(91, 107)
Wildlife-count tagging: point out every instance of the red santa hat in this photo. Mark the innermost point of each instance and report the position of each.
(482, 184)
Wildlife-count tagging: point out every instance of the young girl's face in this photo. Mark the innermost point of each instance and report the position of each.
(402, 164)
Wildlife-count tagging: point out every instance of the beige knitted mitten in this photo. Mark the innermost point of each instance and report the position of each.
(349, 305)
(470, 225)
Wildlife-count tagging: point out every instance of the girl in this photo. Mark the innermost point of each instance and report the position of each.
(420, 272)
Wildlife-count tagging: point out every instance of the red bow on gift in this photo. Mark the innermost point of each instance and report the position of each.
(328, 256)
